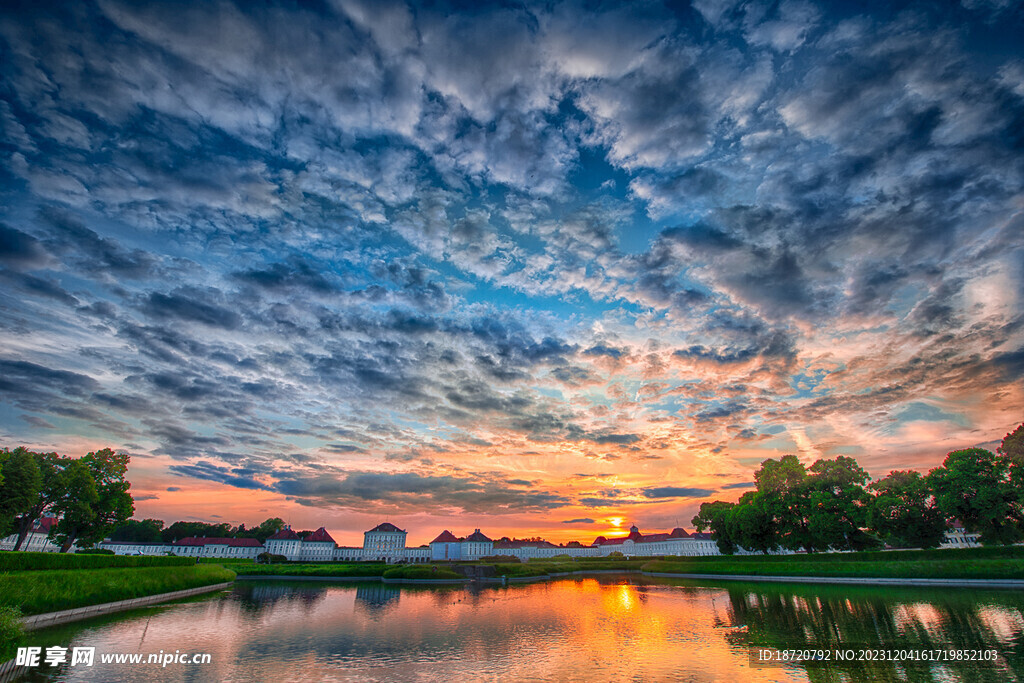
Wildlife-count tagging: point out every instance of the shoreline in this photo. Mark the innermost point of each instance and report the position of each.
(1000, 584)
(1015, 584)
(34, 622)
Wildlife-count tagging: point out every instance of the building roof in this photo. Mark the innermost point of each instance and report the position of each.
(508, 545)
(637, 537)
(702, 536)
(319, 536)
(43, 525)
(386, 526)
(285, 534)
(601, 540)
(477, 537)
(445, 537)
(233, 542)
(147, 543)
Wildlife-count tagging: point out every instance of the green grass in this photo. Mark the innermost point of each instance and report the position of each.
(10, 632)
(13, 562)
(225, 560)
(421, 572)
(544, 567)
(924, 568)
(957, 554)
(339, 570)
(36, 592)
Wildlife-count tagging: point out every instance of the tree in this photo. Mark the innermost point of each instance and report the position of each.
(904, 511)
(782, 484)
(267, 528)
(87, 519)
(51, 468)
(974, 486)
(115, 503)
(76, 505)
(1012, 449)
(749, 524)
(838, 505)
(715, 517)
(185, 529)
(139, 531)
(20, 482)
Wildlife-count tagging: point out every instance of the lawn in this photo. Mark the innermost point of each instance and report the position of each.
(37, 592)
(339, 570)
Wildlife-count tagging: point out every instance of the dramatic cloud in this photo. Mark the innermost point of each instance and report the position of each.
(375, 257)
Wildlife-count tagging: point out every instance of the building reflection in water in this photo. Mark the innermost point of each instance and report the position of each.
(376, 596)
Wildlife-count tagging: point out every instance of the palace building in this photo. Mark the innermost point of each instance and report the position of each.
(387, 543)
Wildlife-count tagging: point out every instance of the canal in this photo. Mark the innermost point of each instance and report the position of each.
(624, 628)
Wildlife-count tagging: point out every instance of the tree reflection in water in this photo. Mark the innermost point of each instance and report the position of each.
(830, 617)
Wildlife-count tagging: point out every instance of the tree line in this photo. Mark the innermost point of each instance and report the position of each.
(90, 498)
(833, 504)
(153, 530)
(88, 495)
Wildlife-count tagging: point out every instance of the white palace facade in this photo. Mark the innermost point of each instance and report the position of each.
(387, 543)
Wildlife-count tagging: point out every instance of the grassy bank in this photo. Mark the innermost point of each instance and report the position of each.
(421, 572)
(545, 567)
(1009, 552)
(339, 570)
(10, 632)
(36, 592)
(858, 568)
(18, 562)
(225, 560)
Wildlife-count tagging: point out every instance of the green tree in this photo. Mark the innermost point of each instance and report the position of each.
(51, 468)
(837, 505)
(182, 529)
(715, 518)
(86, 519)
(140, 531)
(1012, 449)
(973, 485)
(782, 484)
(750, 526)
(267, 528)
(75, 506)
(904, 511)
(115, 503)
(20, 482)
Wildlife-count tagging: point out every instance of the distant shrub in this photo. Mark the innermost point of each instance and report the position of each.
(415, 571)
(285, 569)
(225, 560)
(95, 551)
(270, 558)
(500, 558)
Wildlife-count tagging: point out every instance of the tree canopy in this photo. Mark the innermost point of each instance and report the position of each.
(831, 505)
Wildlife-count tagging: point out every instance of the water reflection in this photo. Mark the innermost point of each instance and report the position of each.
(569, 630)
(835, 617)
(377, 596)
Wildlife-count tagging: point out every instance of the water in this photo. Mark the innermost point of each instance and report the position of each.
(580, 629)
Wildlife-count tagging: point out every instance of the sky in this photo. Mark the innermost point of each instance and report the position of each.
(537, 268)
